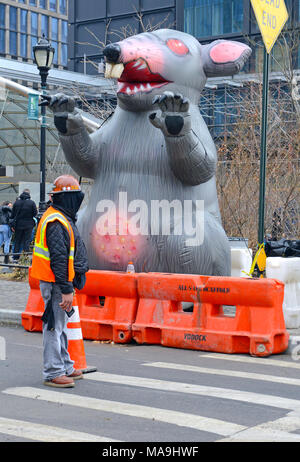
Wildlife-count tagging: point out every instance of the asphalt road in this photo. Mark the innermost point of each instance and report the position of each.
(144, 393)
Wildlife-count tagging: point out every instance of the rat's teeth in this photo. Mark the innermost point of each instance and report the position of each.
(108, 69)
(117, 70)
(113, 71)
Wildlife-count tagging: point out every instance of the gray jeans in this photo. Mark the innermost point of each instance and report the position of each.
(56, 358)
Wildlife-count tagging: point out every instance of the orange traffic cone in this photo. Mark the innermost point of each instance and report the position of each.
(75, 341)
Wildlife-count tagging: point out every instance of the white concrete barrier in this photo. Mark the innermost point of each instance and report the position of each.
(241, 260)
(287, 270)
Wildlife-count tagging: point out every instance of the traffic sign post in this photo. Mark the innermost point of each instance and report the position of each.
(263, 148)
(271, 16)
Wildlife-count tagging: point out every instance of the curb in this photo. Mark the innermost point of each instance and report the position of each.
(13, 318)
(9, 317)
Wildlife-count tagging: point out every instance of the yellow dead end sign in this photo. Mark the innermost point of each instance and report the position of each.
(271, 16)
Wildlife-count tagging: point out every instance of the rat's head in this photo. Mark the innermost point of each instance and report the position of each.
(150, 63)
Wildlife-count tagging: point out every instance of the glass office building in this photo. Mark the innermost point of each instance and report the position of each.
(211, 18)
(93, 22)
(234, 19)
(23, 22)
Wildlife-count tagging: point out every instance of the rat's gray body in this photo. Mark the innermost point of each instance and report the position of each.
(153, 153)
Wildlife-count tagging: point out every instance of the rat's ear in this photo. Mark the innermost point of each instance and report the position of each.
(224, 57)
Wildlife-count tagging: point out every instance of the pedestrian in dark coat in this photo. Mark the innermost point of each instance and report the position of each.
(5, 231)
(22, 222)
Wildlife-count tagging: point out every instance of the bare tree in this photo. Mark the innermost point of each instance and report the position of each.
(239, 164)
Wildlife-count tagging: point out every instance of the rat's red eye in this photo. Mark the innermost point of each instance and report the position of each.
(177, 47)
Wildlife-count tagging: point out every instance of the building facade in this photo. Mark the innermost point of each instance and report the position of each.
(23, 22)
(235, 19)
(94, 23)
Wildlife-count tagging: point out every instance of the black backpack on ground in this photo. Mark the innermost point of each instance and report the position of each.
(282, 248)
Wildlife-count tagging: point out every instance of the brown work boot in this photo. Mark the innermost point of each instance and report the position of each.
(60, 382)
(76, 374)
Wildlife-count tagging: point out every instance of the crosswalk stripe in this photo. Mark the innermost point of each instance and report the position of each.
(181, 419)
(230, 373)
(215, 392)
(250, 360)
(46, 433)
(275, 430)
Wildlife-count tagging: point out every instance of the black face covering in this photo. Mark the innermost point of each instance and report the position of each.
(68, 202)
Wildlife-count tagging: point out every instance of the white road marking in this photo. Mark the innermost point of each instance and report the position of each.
(203, 390)
(276, 430)
(2, 349)
(257, 361)
(181, 419)
(229, 373)
(46, 433)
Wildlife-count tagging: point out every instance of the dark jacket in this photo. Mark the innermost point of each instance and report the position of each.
(24, 209)
(5, 215)
(58, 242)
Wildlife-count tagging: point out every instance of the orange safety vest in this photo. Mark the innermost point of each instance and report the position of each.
(41, 268)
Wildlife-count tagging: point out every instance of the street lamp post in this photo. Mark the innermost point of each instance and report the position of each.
(43, 55)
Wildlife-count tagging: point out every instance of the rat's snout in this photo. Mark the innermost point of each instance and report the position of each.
(113, 68)
(112, 52)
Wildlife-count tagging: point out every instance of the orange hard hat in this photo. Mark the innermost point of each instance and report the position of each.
(65, 183)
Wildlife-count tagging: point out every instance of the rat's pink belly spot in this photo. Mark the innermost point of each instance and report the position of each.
(113, 242)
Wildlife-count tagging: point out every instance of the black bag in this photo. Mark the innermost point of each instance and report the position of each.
(282, 248)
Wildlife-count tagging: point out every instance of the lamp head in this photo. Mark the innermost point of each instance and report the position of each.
(43, 54)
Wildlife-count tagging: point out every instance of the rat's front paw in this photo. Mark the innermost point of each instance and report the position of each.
(173, 117)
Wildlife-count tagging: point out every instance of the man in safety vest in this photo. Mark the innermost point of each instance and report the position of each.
(60, 263)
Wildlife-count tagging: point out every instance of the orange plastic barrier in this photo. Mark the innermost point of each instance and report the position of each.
(108, 305)
(257, 327)
(32, 316)
(120, 306)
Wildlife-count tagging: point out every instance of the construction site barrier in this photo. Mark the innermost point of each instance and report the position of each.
(287, 270)
(108, 304)
(227, 314)
(241, 261)
(256, 326)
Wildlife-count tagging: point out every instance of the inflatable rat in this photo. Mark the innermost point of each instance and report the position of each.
(154, 199)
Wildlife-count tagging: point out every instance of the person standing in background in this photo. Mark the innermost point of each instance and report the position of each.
(22, 222)
(5, 231)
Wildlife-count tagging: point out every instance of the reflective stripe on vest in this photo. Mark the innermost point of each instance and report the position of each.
(41, 268)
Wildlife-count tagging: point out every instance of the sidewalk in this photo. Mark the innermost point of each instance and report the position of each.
(13, 298)
(14, 295)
